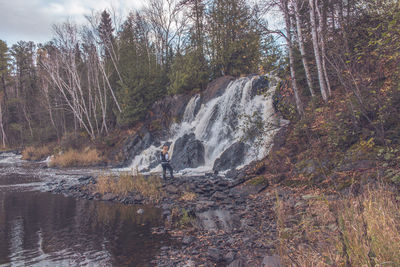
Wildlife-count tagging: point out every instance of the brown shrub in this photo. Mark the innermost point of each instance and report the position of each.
(35, 153)
(353, 230)
(149, 187)
(75, 158)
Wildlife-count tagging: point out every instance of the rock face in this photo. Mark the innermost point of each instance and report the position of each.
(216, 88)
(188, 153)
(166, 110)
(135, 144)
(232, 157)
(260, 85)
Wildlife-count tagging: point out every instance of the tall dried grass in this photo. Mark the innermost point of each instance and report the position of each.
(354, 230)
(370, 225)
(75, 158)
(149, 187)
(35, 153)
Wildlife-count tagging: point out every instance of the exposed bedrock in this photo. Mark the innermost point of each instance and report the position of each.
(188, 152)
(136, 143)
(232, 157)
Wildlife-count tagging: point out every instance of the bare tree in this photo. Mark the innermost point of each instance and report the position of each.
(289, 41)
(84, 92)
(300, 40)
(167, 23)
(317, 54)
(3, 133)
(321, 39)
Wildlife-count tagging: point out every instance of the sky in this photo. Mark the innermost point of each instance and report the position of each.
(32, 20)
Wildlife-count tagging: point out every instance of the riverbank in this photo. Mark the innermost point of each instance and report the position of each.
(244, 221)
(218, 221)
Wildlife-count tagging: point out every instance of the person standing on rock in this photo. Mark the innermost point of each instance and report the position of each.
(164, 157)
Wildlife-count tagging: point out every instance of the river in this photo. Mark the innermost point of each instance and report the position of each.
(43, 229)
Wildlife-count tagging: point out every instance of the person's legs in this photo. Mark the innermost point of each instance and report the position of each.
(164, 171)
(170, 171)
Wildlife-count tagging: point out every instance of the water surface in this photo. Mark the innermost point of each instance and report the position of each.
(44, 229)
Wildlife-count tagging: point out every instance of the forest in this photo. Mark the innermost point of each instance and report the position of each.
(327, 194)
(338, 60)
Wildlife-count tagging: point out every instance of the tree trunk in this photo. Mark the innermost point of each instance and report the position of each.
(317, 52)
(288, 25)
(321, 35)
(3, 133)
(302, 49)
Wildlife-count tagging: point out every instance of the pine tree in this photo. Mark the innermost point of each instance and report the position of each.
(105, 28)
(234, 41)
(144, 80)
(4, 63)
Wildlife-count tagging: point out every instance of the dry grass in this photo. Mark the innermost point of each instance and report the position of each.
(149, 187)
(356, 230)
(35, 153)
(75, 158)
(188, 196)
(370, 226)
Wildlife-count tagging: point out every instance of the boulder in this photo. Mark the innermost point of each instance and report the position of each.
(215, 254)
(271, 261)
(231, 158)
(188, 153)
(260, 85)
(109, 197)
(135, 144)
(238, 263)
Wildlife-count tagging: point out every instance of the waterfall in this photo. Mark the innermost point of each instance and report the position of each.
(218, 124)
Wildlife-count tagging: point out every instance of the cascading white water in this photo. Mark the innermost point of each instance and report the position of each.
(218, 124)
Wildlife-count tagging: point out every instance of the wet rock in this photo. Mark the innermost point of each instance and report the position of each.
(216, 88)
(138, 198)
(128, 200)
(171, 189)
(188, 153)
(186, 240)
(218, 196)
(231, 158)
(230, 256)
(167, 109)
(109, 197)
(85, 179)
(135, 144)
(203, 205)
(214, 254)
(238, 263)
(271, 261)
(140, 211)
(260, 85)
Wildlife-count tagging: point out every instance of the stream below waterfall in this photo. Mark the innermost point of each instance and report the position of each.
(43, 229)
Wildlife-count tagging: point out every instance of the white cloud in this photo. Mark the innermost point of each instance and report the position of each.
(31, 20)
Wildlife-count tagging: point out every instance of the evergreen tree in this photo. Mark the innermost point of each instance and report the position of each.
(143, 78)
(233, 38)
(190, 70)
(4, 64)
(105, 29)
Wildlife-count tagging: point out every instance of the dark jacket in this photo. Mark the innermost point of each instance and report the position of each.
(164, 158)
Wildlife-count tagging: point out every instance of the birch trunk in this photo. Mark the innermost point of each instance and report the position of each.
(288, 25)
(321, 35)
(302, 48)
(317, 52)
(3, 133)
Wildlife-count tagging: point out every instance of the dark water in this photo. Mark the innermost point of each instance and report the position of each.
(43, 229)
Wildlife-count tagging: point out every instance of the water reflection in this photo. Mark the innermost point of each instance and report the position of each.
(51, 230)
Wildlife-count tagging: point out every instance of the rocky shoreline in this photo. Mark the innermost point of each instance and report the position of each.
(227, 223)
